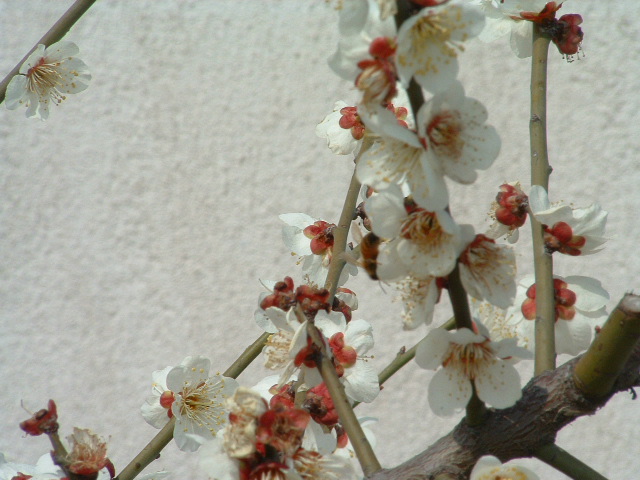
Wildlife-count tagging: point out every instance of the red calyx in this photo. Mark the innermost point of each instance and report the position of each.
(320, 405)
(43, 421)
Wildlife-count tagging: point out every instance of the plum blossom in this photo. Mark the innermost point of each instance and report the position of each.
(467, 357)
(265, 441)
(504, 17)
(349, 342)
(572, 231)
(45, 78)
(429, 43)
(312, 240)
(509, 212)
(399, 157)
(422, 243)
(88, 453)
(419, 296)
(365, 51)
(487, 269)
(579, 303)
(193, 396)
(490, 468)
(44, 469)
(342, 129)
(501, 323)
(455, 131)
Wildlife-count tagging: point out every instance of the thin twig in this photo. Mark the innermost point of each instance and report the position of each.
(545, 351)
(362, 447)
(341, 232)
(566, 463)
(152, 451)
(55, 34)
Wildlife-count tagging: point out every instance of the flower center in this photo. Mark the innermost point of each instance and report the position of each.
(277, 349)
(469, 359)
(200, 404)
(422, 227)
(44, 80)
(444, 134)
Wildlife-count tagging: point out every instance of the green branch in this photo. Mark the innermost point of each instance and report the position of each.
(566, 463)
(55, 34)
(599, 368)
(545, 349)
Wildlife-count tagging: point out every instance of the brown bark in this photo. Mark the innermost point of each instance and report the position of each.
(549, 402)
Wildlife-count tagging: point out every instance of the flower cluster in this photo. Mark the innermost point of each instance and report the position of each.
(265, 440)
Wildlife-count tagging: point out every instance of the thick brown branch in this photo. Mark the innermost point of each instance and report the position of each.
(549, 402)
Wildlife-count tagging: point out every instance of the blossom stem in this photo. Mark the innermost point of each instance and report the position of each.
(55, 34)
(364, 451)
(164, 436)
(148, 453)
(340, 233)
(566, 463)
(598, 369)
(545, 350)
(248, 356)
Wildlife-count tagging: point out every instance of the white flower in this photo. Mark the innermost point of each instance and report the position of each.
(487, 269)
(216, 463)
(349, 343)
(398, 157)
(490, 468)
(422, 243)
(342, 129)
(501, 323)
(312, 240)
(44, 469)
(45, 77)
(509, 212)
(503, 17)
(468, 357)
(313, 466)
(454, 128)
(579, 305)
(429, 42)
(282, 348)
(359, 25)
(572, 231)
(194, 397)
(419, 296)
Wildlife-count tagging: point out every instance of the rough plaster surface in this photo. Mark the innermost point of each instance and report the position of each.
(136, 221)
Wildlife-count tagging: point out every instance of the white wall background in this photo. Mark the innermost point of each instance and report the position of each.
(136, 221)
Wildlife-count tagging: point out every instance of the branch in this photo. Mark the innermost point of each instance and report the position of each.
(55, 34)
(364, 451)
(545, 343)
(566, 463)
(549, 402)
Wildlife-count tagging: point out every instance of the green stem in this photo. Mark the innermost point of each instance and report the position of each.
(362, 447)
(152, 450)
(545, 350)
(566, 463)
(597, 370)
(55, 34)
(341, 232)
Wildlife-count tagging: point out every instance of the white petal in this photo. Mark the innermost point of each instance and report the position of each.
(431, 349)
(359, 335)
(215, 462)
(449, 392)
(499, 385)
(573, 336)
(361, 382)
(589, 292)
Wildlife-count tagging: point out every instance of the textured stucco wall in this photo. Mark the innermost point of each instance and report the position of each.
(135, 223)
